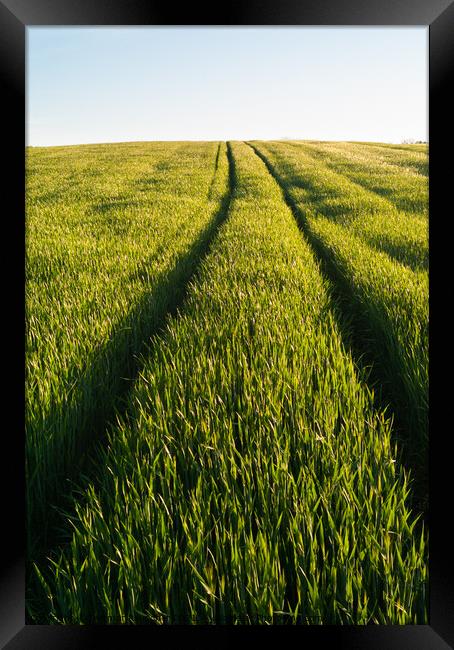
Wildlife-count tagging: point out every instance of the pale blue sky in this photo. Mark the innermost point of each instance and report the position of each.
(160, 83)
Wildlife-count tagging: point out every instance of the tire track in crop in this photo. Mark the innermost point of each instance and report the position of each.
(216, 164)
(359, 341)
(169, 294)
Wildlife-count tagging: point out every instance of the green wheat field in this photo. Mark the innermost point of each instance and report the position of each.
(227, 383)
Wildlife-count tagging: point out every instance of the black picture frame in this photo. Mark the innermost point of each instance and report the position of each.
(15, 16)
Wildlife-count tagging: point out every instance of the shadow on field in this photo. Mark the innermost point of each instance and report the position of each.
(370, 349)
(101, 395)
(153, 182)
(103, 208)
(417, 260)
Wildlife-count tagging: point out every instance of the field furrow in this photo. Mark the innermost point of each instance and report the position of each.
(251, 479)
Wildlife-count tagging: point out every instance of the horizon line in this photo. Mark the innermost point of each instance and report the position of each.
(406, 141)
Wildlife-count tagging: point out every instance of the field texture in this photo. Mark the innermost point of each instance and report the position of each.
(227, 383)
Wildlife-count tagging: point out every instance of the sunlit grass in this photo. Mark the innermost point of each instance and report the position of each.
(252, 479)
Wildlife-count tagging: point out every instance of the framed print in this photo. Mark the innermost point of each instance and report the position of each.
(229, 423)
